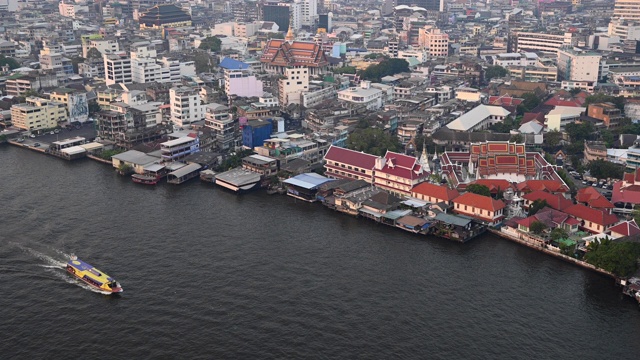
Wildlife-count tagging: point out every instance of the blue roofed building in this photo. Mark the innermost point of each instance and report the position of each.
(239, 79)
(305, 186)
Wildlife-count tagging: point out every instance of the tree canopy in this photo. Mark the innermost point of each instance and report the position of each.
(603, 169)
(384, 68)
(537, 227)
(559, 233)
(13, 64)
(495, 71)
(345, 70)
(373, 141)
(210, 43)
(536, 206)
(94, 53)
(620, 258)
(618, 101)
(479, 189)
(529, 102)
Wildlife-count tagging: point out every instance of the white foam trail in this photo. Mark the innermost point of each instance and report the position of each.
(46, 258)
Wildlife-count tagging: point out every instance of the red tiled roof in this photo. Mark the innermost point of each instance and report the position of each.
(626, 228)
(542, 185)
(556, 202)
(593, 198)
(587, 193)
(504, 101)
(629, 194)
(596, 216)
(479, 201)
(494, 185)
(564, 98)
(353, 158)
(436, 191)
(282, 53)
(527, 117)
(600, 203)
(402, 165)
(526, 222)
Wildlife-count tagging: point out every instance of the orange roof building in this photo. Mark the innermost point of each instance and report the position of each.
(434, 193)
(550, 186)
(279, 54)
(483, 208)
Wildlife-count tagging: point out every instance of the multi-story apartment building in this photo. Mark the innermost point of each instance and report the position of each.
(102, 45)
(38, 114)
(179, 148)
(309, 12)
(117, 68)
(578, 66)
(434, 41)
(539, 42)
(515, 59)
(220, 121)
(295, 83)
(363, 96)
(627, 9)
(186, 106)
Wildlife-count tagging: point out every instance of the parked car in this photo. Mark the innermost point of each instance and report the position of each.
(32, 135)
(56, 131)
(36, 144)
(51, 133)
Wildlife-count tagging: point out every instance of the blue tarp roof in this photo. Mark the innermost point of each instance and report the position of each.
(308, 180)
(231, 64)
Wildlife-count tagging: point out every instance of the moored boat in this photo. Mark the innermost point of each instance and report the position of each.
(208, 176)
(145, 179)
(92, 276)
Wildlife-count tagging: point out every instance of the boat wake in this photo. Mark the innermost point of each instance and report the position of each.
(57, 267)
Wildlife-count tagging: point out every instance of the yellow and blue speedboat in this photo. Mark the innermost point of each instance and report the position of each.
(92, 276)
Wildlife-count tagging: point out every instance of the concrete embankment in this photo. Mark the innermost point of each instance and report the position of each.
(558, 255)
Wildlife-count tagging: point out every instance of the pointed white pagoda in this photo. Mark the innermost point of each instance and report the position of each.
(424, 160)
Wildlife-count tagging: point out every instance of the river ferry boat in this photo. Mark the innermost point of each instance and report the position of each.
(145, 179)
(92, 276)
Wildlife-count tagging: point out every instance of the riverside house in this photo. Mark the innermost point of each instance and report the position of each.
(483, 208)
(434, 193)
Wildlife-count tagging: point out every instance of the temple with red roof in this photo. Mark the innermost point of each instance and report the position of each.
(279, 55)
(550, 186)
(627, 228)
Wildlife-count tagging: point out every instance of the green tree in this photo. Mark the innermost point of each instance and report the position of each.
(94, 107)
(579, 132)
(603, 169)
(94, 53)
(31, 92)
(479, 189)
(11, 62)
(385, 68)
(210, 43)
(517, 138)
(373, 141)
(529, 102)
(552, 138)
(618, 101)
(275, 35)
(537, 227)
(559, 233)
(345, 70)
(618, 257)
(75, 61)
(495, 71)
(536, 206)
(203, 62)
(607, 137)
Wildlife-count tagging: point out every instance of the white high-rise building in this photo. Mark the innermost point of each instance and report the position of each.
(309, 12)
(625, 21)
(627, 9)
(578, 66)
(186, 105)
(117, 68)
(290, 89)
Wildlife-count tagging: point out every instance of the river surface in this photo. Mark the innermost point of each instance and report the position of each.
(211, 275)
